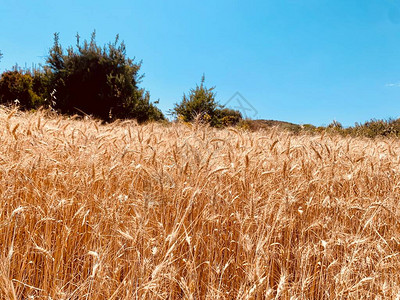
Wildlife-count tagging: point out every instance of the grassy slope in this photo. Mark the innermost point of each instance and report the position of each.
(267, 124)
(122, 211)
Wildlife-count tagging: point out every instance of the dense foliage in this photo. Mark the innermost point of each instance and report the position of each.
(100, 81)
(372, 128)
(21, 88)
(88, 79)
(200, 104)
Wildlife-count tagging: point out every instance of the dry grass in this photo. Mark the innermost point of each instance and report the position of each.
(121, 211)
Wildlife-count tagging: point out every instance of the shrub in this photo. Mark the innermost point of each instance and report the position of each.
(100, 81)
(244, 124)
(227, 117)
(335, 125)
(200, 104)
(17, 87)
(308, 127)
(42, 86)
(374, 128)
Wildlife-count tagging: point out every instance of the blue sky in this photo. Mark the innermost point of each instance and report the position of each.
(309, 61)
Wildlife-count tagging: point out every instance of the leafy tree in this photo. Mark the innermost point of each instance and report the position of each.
(100, 81)
(200, 104)
(17, 87)
(42, 85)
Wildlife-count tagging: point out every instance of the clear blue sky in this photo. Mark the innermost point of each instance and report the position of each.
(303, 61)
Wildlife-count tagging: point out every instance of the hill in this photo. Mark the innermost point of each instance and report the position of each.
(267, 124)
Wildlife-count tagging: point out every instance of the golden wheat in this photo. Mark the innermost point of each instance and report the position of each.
(122, 211)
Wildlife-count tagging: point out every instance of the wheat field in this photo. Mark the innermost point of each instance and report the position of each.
(156, 211)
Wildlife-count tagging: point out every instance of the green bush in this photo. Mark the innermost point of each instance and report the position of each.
(200, 104)
(18, 87)
(371, 129)
(227, 117)
(308, 127)
(335, 125)
(374, 128)
(99, 81)
(42, 86)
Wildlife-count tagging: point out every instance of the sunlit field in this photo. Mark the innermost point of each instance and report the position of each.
(178, 211)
